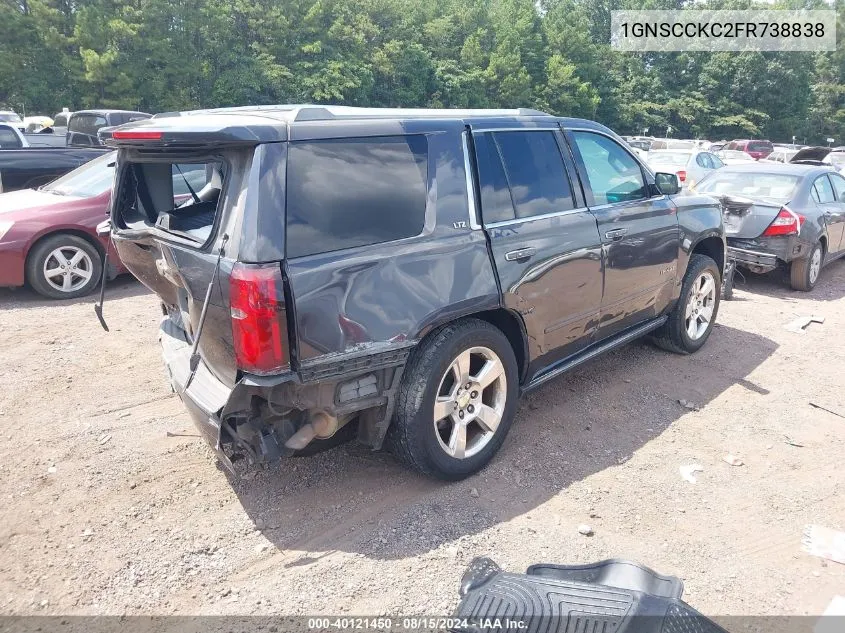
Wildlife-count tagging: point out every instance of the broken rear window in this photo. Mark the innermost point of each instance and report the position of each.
(180, 198)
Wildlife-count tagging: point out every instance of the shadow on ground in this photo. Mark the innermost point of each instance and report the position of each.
(830, 286)
(353, 500)
(25, 298)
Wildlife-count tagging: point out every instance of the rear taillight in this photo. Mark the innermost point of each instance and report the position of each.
(682, 175)
(787, 222)
(256, 297)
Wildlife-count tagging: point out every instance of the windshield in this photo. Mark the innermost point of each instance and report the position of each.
(779, 187)
(9, 116)
(87, 181)
(669, 158)
(759, 146)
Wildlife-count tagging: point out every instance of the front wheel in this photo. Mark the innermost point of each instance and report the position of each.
(804, 272)
(456, 402)
(64, 266)
(691, 320)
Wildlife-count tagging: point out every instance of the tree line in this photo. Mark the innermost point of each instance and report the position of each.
(553, 55)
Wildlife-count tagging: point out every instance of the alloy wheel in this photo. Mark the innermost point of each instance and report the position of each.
(470, 402)
(699, 309)
(68, 268)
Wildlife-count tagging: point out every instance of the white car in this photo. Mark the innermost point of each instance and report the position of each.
(689, 165)
(735, 157)
(781, 155)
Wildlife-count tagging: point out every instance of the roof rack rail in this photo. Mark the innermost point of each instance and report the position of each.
(323, 113)
(309, 112)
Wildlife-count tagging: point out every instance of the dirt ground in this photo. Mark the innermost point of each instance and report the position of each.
(113, 505)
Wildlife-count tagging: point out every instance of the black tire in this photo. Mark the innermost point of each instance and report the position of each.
(673, 335)
(412, 436)
(800, 270)
(38, 256)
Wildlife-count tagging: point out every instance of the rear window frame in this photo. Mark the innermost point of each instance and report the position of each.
(171, 157)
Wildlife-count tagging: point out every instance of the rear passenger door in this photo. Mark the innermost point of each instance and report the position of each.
(544, 241)
(638, 229)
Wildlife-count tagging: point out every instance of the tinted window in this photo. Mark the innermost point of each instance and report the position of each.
(759, 146)
(352, 192)
(496, 203)
(715, 161)
(87, 123)
(535, 172)
(613, 174)
(703, 161)
(60, 120)
(822, 191)
(838, 186)
(8, 138)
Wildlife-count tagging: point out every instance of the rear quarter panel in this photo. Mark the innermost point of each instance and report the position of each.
(699, 217)
(394, 293)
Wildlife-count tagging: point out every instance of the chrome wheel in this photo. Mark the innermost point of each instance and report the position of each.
(68, 268)
(470, 402)
(815, 265)
(699, 310)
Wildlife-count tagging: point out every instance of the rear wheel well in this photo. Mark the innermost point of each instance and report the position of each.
(511, 326)
(714, 248)
(85, 236)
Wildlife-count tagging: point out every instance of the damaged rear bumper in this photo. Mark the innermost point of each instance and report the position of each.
(268, 417)
(763, 254)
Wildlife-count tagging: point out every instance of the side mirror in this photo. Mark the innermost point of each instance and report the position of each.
(667, 184)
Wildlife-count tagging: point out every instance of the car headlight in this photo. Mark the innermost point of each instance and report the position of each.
(4, 228)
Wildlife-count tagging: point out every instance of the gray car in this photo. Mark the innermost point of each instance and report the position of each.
(776, 214)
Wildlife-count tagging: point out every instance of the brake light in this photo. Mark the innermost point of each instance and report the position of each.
(787, 222)
(259, 329)
(137, 135)
(682, 175)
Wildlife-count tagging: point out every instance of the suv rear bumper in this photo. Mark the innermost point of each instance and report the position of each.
(239, 419)
(206, 396)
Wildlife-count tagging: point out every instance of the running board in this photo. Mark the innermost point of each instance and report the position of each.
(591, 352)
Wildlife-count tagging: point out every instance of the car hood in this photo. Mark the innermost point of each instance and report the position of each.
(810, 153)
(18, 205)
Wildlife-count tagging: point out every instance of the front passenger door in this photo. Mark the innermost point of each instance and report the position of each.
(638, 229)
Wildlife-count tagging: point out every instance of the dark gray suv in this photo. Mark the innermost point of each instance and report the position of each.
(400, 276)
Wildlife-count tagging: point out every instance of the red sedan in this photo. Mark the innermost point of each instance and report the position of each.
(48, 236)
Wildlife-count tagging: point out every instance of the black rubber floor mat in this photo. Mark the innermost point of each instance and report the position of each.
(623, 574)
(498, 601)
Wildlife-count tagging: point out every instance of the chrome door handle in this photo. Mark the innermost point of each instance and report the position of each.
(520, 254)
(616, 234)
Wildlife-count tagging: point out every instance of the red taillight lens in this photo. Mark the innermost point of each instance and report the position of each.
(682, 175)
(137, 135)
(259, 329)
(787, 222)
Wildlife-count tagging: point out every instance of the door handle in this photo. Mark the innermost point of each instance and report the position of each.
(616, 234)
(520, 254)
